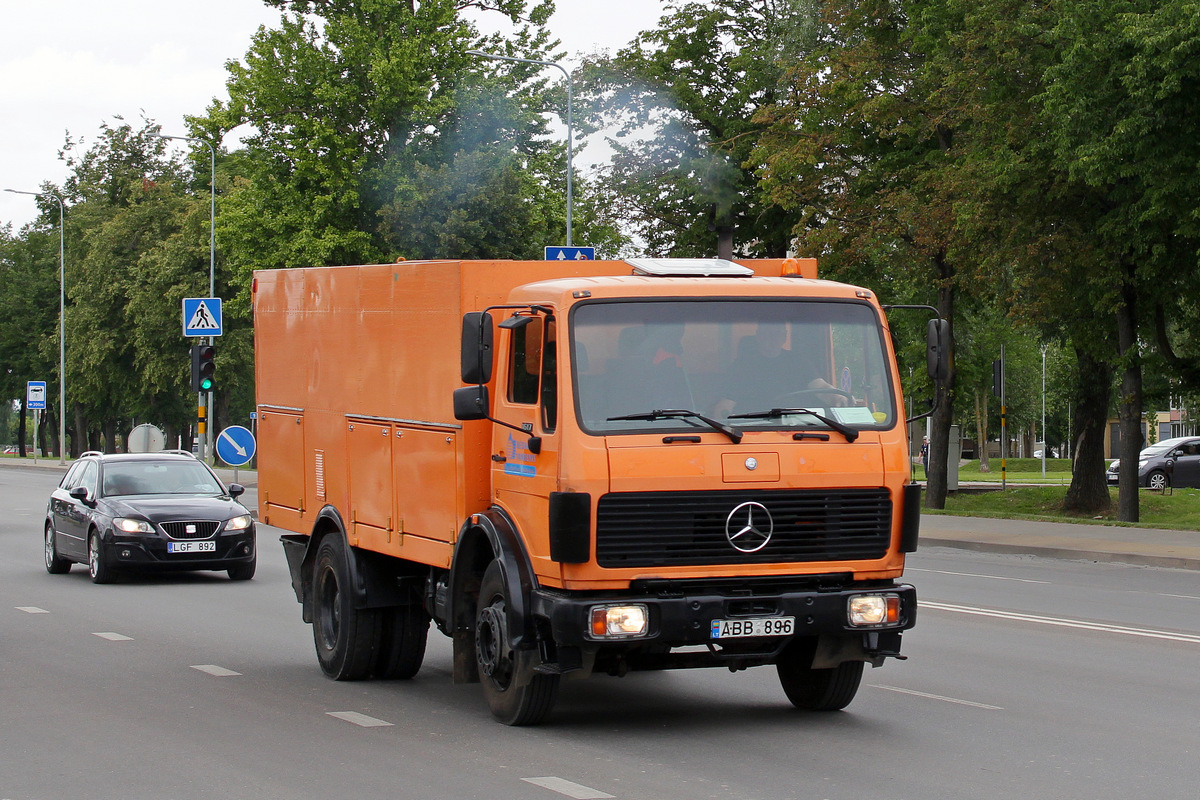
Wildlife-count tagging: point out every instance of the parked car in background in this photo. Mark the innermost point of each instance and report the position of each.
(147, 511)
(1171, 462)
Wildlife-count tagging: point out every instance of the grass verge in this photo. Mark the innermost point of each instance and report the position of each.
(1179, 510)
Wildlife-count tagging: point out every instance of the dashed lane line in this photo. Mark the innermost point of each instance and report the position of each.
(32, 610)
(361, 720)
(114, 637)
(569, 788)
(215, 671)
(1063, 622)
(928, 696)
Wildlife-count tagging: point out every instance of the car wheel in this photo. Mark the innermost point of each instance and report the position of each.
(243, 572)
(55, 564)
(515, 694)
(402, 647)
(346, 637)
(98, 567)
(1158, 480)
(817, 689)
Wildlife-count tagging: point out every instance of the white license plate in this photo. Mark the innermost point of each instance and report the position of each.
(191, 547)
(757, 626)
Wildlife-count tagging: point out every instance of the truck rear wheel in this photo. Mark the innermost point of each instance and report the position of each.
(817, 689)
(346, 637)
(515, 693)
(404, 632)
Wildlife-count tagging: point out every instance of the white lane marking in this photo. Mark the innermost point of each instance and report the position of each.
(114, 637)
(569, 788)
(361, 720)
(955, 700)
(1180, 596)
(32, 610)
(1061, 622)
(215, 671)
(976, 575)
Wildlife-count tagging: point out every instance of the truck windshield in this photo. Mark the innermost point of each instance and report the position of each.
(747, 364)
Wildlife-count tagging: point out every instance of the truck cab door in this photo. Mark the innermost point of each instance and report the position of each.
(525, 462)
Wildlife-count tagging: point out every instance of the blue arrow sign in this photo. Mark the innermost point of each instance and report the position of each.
(570, 254)
(202, 316)
(235, 445)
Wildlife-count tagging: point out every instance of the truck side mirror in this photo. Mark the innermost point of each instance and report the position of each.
(476, 350)
(471, 402)
(937, 349)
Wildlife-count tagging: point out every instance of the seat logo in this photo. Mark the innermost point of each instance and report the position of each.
(749, 527)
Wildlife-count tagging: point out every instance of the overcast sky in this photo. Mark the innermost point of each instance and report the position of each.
(69, 65)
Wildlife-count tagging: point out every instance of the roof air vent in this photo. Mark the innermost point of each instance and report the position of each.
(688, 268)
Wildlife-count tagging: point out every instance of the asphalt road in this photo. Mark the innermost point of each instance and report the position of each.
(1027, 677)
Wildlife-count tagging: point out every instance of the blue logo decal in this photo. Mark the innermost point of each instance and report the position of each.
(519, 461)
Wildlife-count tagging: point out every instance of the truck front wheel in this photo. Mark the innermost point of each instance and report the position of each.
(817, 689)
(515, 693)
(346, 637)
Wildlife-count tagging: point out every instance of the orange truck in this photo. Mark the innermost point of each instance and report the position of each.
(579, 467)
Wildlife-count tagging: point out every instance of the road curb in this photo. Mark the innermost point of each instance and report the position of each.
(1067, 553)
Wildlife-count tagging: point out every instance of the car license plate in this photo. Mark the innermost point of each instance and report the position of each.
(757, 626)
(191, 547)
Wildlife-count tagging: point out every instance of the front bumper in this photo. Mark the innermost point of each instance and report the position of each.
(681, 617)
(149, 552)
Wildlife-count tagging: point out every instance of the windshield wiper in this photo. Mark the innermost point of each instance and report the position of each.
(845, 430)
(676, 413)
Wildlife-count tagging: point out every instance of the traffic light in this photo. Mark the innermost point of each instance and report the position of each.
(203, 367)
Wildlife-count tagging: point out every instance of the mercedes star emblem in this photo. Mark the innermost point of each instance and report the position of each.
(749, 527)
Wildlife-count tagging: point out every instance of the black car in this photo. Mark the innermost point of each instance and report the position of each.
(147, 511)
(1171, 462)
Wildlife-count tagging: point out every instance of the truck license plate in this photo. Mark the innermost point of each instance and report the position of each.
(758, 626)
(191, 547)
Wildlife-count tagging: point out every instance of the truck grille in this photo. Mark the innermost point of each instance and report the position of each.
(661, 529)
(200, 530)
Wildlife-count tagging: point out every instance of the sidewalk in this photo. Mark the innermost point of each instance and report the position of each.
(1150, 547)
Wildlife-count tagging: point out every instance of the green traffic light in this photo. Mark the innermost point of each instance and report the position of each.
(206, 384)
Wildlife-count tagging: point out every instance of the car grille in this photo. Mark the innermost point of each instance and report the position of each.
(199, 530)
(660, 529)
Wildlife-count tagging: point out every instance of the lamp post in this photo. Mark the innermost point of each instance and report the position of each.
(62, 328)
(205, 415)
(1045, 444)
(570, 144)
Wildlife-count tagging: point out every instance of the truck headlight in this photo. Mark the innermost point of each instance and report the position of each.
(873, 610)
(619, 622)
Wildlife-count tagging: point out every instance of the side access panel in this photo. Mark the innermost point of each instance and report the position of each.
(281, 481)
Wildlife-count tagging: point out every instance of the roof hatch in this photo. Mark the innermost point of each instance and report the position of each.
(688, 268)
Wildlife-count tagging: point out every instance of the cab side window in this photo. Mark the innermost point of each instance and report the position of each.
(525, 363)
(550, 379)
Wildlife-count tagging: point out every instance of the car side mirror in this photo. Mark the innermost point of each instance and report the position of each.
(236, 489)
(79, 493)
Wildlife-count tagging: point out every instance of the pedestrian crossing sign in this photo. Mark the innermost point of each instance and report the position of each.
(202, 316)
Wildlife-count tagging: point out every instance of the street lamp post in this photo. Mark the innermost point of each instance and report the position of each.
(62, 328)
(212, 263)
(570, 143)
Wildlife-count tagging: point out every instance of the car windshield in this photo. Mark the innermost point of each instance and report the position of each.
(159, 477)
(747, 364)
(1161, 448)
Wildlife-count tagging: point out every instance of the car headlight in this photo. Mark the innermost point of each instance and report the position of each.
(619, 622)
(132, 525)
(873, 610)
(1142, 464)
(238, 523)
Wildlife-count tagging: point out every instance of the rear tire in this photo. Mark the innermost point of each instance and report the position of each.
(55, 564)
(817, 689)
(404, 632)
(515, 693)
(346, 638)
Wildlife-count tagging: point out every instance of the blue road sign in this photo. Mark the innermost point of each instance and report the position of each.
(35, 395)
(235, 445)
(202, 316)
(570, 254)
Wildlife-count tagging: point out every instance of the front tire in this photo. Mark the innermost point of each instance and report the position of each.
(515, 694)
(98, 567)
(1158, 480)
(817, 689)
(345, 637)
(55, 564)
(243, 572)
